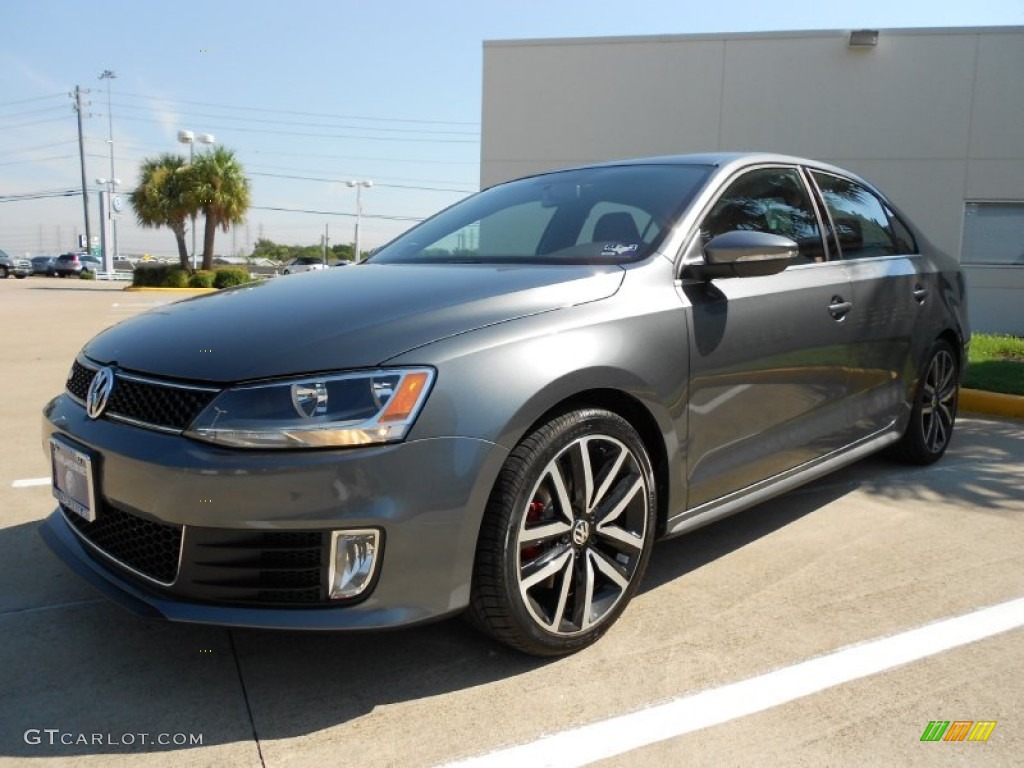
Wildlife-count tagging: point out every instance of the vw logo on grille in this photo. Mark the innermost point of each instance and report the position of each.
(99, 392)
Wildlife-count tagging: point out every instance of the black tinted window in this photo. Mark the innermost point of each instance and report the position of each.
(860, 222)
(771, 200)
(901, 233)
(593, 215)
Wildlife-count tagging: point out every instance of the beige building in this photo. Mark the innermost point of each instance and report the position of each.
(934, 117)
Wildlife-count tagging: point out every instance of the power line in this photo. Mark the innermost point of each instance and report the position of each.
(38, 146)
(337, 180)
(346, 175)
(316, 135)
(37, 160)
(39, 195)
(294, 112)
(26, 101)
(34, 122)
(247, 119)
(402, 160)
(335, 213)
(32, 112)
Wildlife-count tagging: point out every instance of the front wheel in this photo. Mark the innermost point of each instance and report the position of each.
(934, 412)
(5, 272)
(566, 535)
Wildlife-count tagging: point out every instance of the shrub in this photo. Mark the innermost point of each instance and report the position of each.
(85, 274)
(160, 276)
(202, 278)
(229, 276)
(144, 275)
(176, 277)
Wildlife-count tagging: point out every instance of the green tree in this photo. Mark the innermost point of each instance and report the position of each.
(161, 197)
(219, 188)
(343, 252)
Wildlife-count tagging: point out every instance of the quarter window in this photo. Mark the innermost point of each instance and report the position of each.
(768, 200)
(859, 220)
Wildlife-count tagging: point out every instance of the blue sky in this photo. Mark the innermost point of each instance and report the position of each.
(327, 91)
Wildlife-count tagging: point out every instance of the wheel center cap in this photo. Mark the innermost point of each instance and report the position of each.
(580, 532)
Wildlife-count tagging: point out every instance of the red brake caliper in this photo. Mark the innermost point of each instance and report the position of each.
(533, 513)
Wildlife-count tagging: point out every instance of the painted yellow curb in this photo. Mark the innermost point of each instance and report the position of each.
(139, 288)
(992, 403)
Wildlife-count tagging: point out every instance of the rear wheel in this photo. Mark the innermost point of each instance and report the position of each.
(934, 412)
(566, 536)
(5, 271)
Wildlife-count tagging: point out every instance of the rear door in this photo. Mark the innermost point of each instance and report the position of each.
(769, 389)
(888, 293)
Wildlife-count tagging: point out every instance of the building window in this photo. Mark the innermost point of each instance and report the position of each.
(993, 234)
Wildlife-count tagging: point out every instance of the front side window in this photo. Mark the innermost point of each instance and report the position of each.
(770, 200)
(612, 214)
(858, 218)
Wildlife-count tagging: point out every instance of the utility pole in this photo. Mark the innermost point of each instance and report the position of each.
(81, 157)
(326, 239)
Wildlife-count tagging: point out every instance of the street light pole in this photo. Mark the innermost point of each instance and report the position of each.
(187, 137)
(114, 203)
(358, 184)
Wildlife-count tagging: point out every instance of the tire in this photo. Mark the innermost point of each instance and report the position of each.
(21, 277)
(934, 413)
(566, 535)
(6, 272)
(286, 272)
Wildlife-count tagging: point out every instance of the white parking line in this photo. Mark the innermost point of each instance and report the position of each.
(30, 482)
(618, 735)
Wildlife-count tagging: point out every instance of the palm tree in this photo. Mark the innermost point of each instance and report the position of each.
(161, 197)
(219, 188)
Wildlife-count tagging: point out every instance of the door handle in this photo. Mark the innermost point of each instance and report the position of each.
(920, 293)
(839, 308)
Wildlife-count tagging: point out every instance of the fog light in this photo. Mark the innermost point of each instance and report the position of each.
(353, 562)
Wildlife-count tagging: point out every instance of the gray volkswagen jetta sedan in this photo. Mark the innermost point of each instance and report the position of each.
(502, 409)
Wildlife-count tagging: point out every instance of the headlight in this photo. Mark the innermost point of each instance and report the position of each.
(327, 411)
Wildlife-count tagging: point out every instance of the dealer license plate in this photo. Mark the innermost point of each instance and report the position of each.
(73, 484)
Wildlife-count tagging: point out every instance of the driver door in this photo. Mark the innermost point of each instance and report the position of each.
(769, 388)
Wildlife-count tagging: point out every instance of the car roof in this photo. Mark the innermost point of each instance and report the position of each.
(725, 161)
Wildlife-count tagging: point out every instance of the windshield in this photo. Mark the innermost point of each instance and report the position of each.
(605, 215)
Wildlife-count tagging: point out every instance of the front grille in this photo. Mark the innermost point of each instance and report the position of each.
(164, 405)
(146, 546)
(218, 565)
(263, 567)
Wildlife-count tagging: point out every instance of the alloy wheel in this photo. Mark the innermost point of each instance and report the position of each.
(938, 401)
(582, 535)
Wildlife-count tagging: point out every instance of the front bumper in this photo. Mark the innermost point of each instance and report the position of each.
(260, 511)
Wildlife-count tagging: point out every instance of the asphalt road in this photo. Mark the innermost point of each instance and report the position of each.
(870, 552)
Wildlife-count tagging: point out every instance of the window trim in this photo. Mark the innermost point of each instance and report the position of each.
(887, 210)
(682, 260)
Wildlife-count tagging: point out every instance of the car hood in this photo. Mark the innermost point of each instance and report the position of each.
(338, 319)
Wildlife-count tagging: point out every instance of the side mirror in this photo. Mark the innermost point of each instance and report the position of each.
(744, 254)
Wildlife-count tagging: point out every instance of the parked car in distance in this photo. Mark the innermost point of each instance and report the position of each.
(44, 265)
(90, 263)
(501, 410)
(303, 264)
(68, 264)
(13, 265)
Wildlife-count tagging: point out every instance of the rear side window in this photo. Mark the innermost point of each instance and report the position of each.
(860, 221)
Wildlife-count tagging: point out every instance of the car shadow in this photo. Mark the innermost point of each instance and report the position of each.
(76, 663)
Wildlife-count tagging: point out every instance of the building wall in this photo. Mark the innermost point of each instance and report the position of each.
(934, 117)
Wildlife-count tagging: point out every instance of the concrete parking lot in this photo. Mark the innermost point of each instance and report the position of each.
(871, 552)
